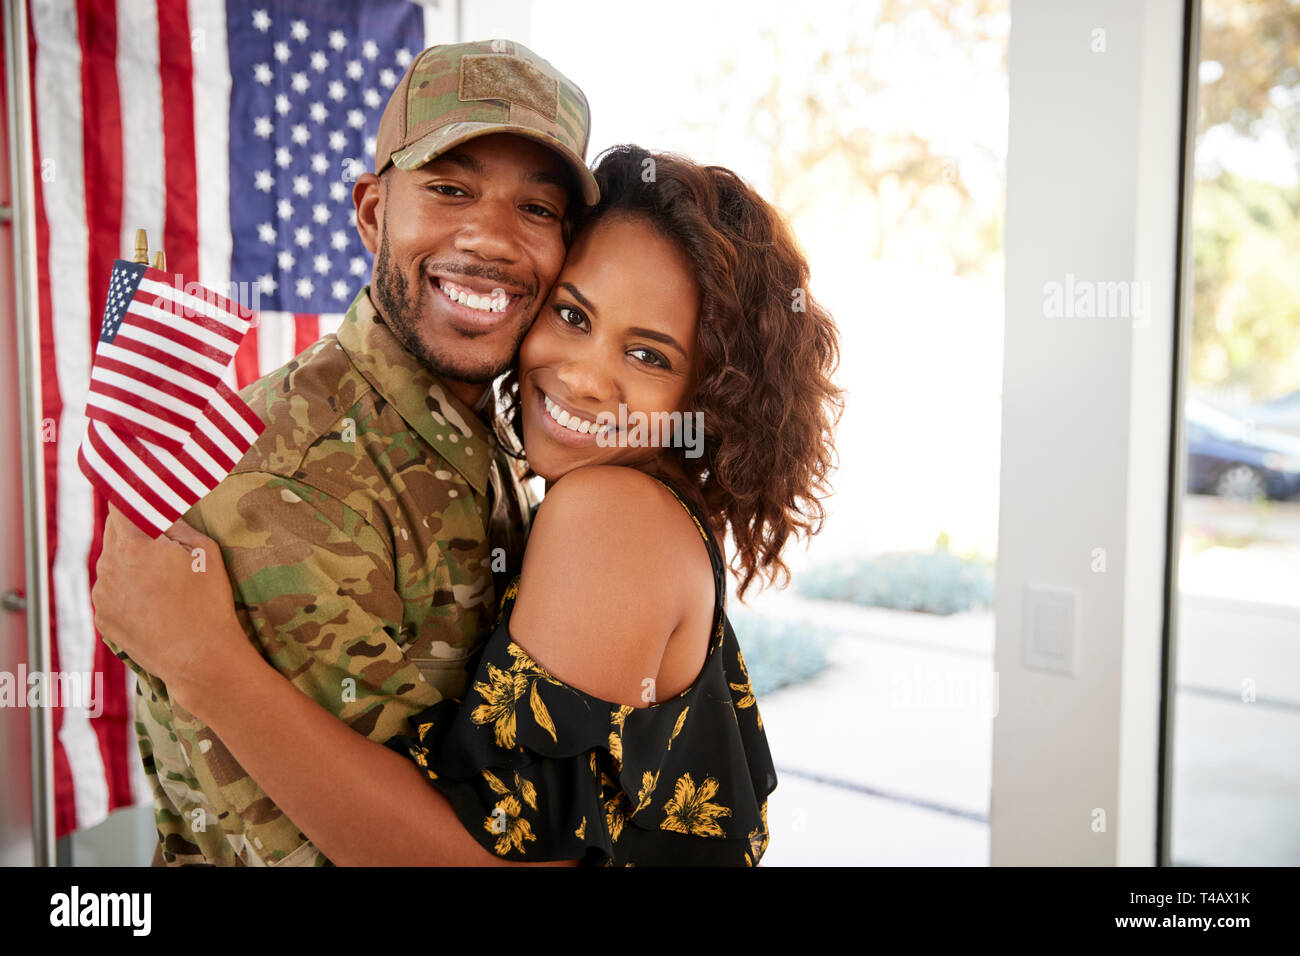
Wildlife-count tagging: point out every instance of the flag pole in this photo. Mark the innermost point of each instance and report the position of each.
(26, 316)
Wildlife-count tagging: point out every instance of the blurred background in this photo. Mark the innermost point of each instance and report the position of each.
(881, 129)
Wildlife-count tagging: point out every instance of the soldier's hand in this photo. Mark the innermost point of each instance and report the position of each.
(165, 602)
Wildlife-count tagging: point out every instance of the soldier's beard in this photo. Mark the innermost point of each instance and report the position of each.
(403, 311)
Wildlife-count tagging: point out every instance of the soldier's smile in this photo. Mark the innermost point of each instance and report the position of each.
(476, 305)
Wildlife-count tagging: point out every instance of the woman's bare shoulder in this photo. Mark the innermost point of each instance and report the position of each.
(608, 502)
(610, 572)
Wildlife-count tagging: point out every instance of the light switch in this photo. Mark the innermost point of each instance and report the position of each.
(1049, 627)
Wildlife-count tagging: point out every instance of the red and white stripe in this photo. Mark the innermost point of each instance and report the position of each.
(122, 91)
(159, 374)
(154, 487)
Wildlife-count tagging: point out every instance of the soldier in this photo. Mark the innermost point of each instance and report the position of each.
(359, 530)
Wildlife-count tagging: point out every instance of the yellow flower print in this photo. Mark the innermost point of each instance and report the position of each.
(619, 716)
(758, 836)
(746, 689)
(511, 829)
(501, 693)
(616, 814)
(511, 592)
(581, 832)
(526, 665)
(523, 787)
(540, 713)
(691, 811)
(648, 783)
(525, 674)
(616, 734)
(677, 728)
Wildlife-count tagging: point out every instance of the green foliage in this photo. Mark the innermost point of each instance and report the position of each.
(1246, 307)
(1257, 43)
(834, 123)
(778, 653)
(1245, 233)
(934, 581)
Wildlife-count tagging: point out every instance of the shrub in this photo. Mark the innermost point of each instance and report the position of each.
(778, 653)
(934, 581)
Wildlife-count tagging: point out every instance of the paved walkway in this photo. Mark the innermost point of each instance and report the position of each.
(885, 757)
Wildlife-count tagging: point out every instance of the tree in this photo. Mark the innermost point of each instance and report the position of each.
(833, 124)
(1246, 233)
(1256, 45)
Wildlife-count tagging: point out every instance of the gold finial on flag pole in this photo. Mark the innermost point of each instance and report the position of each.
(141, 247)
(160, 261)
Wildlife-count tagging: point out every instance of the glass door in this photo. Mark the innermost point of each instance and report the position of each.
(1235, 761)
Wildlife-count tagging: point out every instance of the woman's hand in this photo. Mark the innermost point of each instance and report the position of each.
(167, 603)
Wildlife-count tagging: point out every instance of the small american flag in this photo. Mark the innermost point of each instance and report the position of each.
(164, 428)
(163, 349)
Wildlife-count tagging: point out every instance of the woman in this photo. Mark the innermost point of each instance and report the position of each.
(610, 718)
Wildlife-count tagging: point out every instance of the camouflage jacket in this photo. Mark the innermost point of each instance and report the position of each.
(361, 534)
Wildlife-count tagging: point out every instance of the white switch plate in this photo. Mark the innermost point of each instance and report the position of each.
(1050, 629)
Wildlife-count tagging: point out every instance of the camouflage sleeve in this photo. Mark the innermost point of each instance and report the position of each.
(181, 811)
(315, 589)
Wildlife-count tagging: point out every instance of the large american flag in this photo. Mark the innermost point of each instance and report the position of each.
(232, 132)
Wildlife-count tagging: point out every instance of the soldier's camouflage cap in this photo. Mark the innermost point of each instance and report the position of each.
(458, 91)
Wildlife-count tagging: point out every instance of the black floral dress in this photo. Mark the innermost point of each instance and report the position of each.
(538, 770)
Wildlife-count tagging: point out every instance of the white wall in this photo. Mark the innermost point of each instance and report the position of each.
(1092, 179)
(493, 19)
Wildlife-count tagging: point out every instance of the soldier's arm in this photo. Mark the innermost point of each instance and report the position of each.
(315, 592)
(365, 802)
(366, 805)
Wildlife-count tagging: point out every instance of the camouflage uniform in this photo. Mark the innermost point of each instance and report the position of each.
(356, 535)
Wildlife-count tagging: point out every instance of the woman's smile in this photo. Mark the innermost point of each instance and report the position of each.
(577, 421)
(568, 427)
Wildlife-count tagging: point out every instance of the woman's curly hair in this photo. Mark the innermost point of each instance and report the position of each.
(766, 351)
